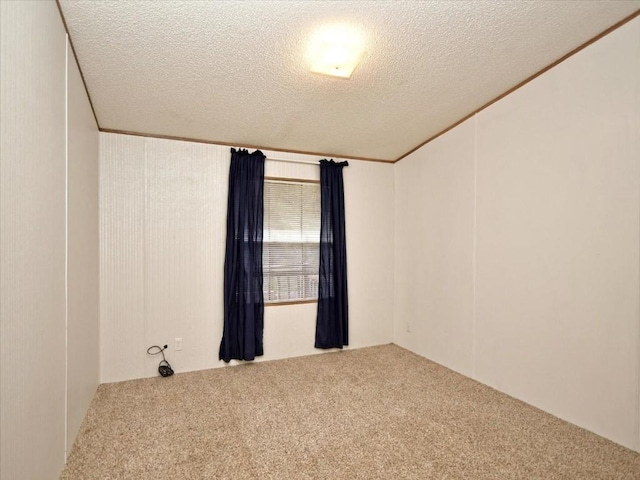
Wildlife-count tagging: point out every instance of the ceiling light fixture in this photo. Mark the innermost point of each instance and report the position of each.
(335, 50)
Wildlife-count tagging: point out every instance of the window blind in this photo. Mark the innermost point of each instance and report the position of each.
(291, 237)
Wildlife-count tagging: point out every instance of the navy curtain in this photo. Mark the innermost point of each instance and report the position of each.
(243, 296)
(332, 327)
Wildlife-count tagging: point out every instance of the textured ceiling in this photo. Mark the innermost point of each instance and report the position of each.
(235, 72)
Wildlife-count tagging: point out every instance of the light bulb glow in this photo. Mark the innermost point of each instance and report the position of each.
(335, 50)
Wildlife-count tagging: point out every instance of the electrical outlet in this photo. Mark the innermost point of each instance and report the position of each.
(408, 327)
(177, 344)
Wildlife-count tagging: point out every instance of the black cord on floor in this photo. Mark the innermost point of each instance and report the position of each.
(163, 368)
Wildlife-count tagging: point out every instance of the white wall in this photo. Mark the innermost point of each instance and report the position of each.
(32, 229)
(162, 228)
(83, 346)
(34, 397)
(517, 242)
(434, 250)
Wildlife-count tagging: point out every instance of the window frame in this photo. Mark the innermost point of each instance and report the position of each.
(304, 300)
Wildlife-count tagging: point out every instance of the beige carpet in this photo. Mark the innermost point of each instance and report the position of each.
(372, 413)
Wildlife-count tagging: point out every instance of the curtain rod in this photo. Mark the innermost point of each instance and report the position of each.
(291, 160)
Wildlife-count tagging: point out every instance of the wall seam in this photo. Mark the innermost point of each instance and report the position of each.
(637, 412)
(393, 259)
(475, 245)
(66, 249)
(145, 321)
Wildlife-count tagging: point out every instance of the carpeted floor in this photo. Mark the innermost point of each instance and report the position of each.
(373, 413)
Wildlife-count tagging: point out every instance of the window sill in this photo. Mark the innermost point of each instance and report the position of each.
(290, 302)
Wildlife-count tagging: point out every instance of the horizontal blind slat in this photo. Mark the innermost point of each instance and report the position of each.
(291, 240)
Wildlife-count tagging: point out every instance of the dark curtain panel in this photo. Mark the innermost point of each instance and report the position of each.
(243, 297)
(332, 327)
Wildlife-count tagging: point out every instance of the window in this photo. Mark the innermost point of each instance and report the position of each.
(291, 240)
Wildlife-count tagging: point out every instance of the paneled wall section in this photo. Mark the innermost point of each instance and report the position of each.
(83, 343)
(518, 242)
(163, 221)
(48, 243)
(32, 240)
